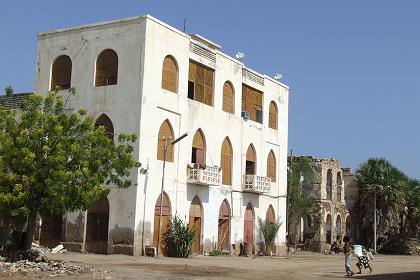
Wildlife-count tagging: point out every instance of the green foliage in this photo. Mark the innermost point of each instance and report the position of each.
(8, 91)
(215, 253)
(53, 162)
(178, 239)
(300, 204)
(268, 232)
(397, 198)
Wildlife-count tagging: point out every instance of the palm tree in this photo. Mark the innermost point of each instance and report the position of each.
(378, 176)
(268, 233)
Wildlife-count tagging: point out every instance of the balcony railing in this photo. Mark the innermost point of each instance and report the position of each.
(256, 184)
(203, 174)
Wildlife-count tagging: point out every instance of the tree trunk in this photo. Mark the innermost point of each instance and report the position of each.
(30, 231)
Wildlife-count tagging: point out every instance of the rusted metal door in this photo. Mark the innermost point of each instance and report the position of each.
(195, 223)
(249, 228)
(166, 215)
(224, 226)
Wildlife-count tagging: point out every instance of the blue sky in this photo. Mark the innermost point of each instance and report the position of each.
(353, 66)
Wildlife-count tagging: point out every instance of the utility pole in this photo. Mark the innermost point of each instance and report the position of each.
(287, 202)
(165, 148)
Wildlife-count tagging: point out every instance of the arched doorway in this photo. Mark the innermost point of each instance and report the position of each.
(224, 226)
(328, 229)
(97, 227)
(348, 226)
(195, 223)
(338, 234)
(166, 215)
(249, 227)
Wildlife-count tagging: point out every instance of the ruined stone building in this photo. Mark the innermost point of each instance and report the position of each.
(327, 183)
(140, 75)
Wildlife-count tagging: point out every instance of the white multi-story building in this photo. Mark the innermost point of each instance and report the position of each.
(140, 75)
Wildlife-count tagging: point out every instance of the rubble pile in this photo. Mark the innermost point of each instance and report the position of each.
(54, 267)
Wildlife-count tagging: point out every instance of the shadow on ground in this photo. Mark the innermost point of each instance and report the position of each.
(392, 276)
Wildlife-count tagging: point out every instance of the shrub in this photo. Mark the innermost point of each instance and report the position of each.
(178, 239)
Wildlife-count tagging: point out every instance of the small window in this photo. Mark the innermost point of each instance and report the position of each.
(106, 68)
(198, 152)
(329, 184)
(272, 116)
(228, 98)
(271, 166)
(170, 74)
(200, 83)
(252, 103)
(61, 73)
(165, 132)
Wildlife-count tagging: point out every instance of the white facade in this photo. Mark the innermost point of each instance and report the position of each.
(138, 104)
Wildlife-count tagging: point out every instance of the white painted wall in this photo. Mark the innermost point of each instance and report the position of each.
(138, 104)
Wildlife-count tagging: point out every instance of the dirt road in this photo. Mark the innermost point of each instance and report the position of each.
(303, 266)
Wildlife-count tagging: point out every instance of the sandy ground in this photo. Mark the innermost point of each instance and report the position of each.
(302, 266)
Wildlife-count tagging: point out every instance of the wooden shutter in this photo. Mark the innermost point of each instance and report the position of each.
(106, 68)
(272, 116)
(169, 74)
(228, 98)
(226, 162)
(250, 154)
(166, 207)
(61, 73)
(200, 147)
(223, 226)
(195, 208)
(271, 166)
(270, 216)
(203, 79)
(251, 101)
(165, 132)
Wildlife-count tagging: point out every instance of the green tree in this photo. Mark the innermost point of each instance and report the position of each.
(378, 176)
(52, 162)
(268, 233)
(301, 204)
(8, 91)
(178, 239)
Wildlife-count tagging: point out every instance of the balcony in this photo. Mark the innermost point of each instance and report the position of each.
(203, 174)
(256, 184)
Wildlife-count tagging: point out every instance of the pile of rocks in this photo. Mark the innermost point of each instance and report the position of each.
(51, 268)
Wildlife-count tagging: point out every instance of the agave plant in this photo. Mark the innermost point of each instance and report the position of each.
(268, 233)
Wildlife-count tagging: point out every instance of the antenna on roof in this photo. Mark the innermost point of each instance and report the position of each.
(239, 55)
(278, 76)
(185, 24)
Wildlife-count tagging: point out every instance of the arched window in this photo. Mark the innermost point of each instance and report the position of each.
(170, 74)
(228, 98)
(270, 215)
(226, 162)
(106, 122)
(106, 68)
(339, 186)
(251, 160)
(61, 73)
(198, 153)
(329, 184)
(272, 116)
(271, 166)
(165, 132)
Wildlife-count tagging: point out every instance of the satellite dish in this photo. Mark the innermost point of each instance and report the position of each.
(278, 76)
(240, 55)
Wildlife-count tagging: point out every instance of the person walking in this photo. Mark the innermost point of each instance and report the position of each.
(347, 253)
